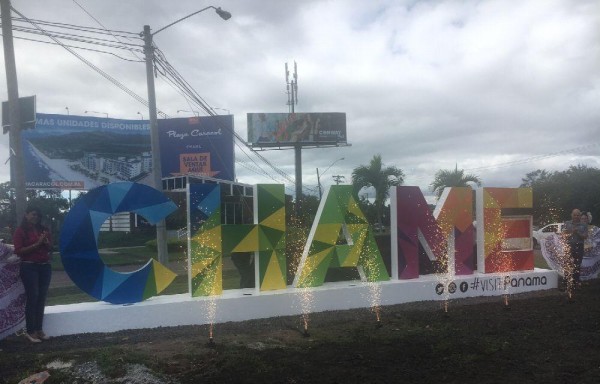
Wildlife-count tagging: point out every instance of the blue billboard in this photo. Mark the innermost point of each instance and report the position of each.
(84, 152)
(197, 146)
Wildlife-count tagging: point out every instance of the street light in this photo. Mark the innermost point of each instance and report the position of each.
(161, 230)
(184, 110)
(86, 112)
(67, 108)
(224, 15)
(142, 116)
(319, 176)
(223, 109)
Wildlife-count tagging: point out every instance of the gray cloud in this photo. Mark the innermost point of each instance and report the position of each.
(498, 88)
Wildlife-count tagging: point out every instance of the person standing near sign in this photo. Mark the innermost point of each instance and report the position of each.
(33, 243)
(588, 243)
(575, 232)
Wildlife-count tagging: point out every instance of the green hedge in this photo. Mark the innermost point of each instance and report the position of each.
(173, 245)
(124, 239)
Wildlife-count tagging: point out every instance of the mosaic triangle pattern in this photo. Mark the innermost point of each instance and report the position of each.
(206, 261)
(339, 213)
(454, 215)
(210, 241)
(418, 228)
(79, 243)
(497, 230)
(271, 239)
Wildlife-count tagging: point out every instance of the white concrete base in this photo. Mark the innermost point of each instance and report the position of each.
(247, 304)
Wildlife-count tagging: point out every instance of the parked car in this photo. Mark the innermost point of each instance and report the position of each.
(545, 231)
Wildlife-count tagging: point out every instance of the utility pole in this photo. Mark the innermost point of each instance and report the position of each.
(17, 174)
(161, 228)
(292, 91)
(319, 184)
(324, 172)
(338, 179)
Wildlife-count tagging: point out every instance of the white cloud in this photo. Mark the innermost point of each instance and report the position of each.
(500, 88)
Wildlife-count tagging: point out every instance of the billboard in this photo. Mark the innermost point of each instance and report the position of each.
(84, 152)
(199, 146)
(274, 129)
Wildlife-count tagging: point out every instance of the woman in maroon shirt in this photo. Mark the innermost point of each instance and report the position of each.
(33, 244)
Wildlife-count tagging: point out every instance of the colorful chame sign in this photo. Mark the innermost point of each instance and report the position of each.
(503, 241)
(79, 243)
(211, 241)
(340, 237)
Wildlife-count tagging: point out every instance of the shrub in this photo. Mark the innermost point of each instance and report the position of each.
(124, 239)
(173, 245)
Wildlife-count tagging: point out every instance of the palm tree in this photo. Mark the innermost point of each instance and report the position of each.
(380, 178)
(456, 178)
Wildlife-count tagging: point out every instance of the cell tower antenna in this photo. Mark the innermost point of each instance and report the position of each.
(291, 87)
(287, 74)
(296, 81)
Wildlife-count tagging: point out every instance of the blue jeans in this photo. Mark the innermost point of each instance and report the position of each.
(36, 280)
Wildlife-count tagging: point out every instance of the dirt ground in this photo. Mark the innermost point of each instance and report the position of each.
(541, 337)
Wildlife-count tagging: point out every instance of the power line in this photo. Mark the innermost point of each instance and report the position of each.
(73, 36)
(88, 63)
(76, 27)
(111, 32)
(75, 47)
(535, 158)
(168, 72)
(178, 81)
(79, 38)
(526, 160)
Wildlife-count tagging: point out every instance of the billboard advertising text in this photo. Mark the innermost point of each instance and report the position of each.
(291, 128)
(198, 146)
(84, 152)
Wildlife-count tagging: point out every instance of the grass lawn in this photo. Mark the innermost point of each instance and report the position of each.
(132, 257)
(542, 338)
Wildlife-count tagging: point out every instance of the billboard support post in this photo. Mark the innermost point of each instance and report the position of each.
(279, 131)
(292, 91)
(298, 166)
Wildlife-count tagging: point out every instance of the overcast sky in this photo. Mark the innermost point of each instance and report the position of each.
(498, 88)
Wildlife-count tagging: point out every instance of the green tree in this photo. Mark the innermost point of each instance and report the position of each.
(537, 176)
(310, 205)
(50, 202)
(380, 178)
(548, 202)
(367, 208)
(555, 194)
(452, 178)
